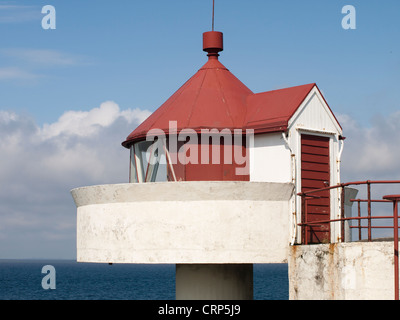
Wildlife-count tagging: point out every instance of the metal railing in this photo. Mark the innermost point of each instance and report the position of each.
(306, 225)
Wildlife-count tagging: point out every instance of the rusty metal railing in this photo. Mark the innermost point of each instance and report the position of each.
(394, 199)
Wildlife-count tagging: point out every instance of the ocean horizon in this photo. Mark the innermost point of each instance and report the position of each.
(21, 279)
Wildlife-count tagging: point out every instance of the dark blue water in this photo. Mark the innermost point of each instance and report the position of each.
(22, 280)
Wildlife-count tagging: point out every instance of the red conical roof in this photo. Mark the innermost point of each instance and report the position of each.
(212, 98)
(215, 99)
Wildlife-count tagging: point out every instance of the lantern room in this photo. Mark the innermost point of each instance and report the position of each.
(198, 133)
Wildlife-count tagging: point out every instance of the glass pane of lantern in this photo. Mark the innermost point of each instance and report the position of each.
(151, 161)
(156, 171)
(133, 174)
(142, 156)
(161, 174)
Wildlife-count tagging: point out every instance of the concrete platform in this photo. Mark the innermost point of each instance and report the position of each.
(184, 222)
(342, 271)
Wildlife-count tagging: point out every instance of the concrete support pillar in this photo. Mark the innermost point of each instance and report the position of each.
(214, 282)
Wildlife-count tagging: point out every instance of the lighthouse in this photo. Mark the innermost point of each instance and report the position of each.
(214, 179)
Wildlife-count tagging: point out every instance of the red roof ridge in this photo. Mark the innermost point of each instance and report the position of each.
(286, 88)
(271, 110)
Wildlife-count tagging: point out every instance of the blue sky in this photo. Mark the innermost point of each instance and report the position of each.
(138, 53)
(70, 96)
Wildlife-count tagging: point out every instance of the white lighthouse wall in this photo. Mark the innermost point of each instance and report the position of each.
(314, 117)
(183, 222)
(270, 159)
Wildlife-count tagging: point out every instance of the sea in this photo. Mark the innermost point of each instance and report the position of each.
(70, 280)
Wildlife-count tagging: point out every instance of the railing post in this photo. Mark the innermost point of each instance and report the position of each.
(304, 217)
(369, 210)
(342, 214)
(396, 246)
(359, 220)
(395, 199)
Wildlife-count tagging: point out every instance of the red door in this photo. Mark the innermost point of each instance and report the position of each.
(315, 174)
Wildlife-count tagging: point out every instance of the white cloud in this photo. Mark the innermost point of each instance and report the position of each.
(43, 57)
(82, 123)
(29, 64)
(89, 123)
(372, 152)
(16, 73)
(39, 165)
(7, 117)
(13, 13)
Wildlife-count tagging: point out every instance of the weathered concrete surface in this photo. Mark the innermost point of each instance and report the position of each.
(343, 271)
(214, 281)
(184, 222)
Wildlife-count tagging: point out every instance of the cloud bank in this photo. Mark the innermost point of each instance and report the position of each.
(371, 152)
(39, 165)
